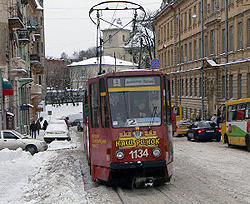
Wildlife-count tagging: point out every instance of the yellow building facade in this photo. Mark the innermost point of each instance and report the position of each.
(182, 28)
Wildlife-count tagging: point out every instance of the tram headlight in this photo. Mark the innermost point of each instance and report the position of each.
(156, 152)
(119, 154)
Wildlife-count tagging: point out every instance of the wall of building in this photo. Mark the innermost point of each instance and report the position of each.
(185, 64)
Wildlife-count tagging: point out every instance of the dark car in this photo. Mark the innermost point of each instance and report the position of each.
(75, 122)
(80, 126)
(204, 130)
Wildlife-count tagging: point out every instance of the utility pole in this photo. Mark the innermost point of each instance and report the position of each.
(226, 44)
(202, 57)
(179, 53)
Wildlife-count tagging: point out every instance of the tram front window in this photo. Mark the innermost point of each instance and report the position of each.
(136, 108)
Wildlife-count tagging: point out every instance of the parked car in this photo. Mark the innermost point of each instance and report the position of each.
(12, 140)
(182, 128)
(74, 118)
(75, 122)
(56, 131)
(80, 126)
(204, 130)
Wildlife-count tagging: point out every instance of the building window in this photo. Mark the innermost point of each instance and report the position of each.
(168, 57)
(239, 86)
(172, 57)
(195, 86)
(212, 38)
(223, 40)
(222, 4)
(172, 87)
(171, 28)
(240, 40)
(223, 86)
(185, 53)
(40, 79)
(200, 50)
(182, 87)
(186, 87)
(185, 21)
(231, 86)
(195, 50)
(164, 32)
(231, 38)
(190, 18)
(248, 32)
(213, 6)
(123, 38)
(182, 54)
(195, 16)
(206, 46)
(205, 9)
(190, 51)
(200, 12)
(201, 87)
(165, 58)
(191, 86)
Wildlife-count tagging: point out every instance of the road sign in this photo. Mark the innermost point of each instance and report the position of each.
(155, 63)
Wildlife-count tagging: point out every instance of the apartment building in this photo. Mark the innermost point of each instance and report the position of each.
(21, 32)
(203, 79)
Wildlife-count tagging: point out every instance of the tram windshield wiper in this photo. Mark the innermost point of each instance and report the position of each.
(152, 116)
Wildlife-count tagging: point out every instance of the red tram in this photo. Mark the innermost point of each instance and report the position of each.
(128, 134)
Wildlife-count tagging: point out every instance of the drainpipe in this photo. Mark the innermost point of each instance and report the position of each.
(1, 94)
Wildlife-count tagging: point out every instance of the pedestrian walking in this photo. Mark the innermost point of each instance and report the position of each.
(67, 121)
(38, 126)
(45, 124)
(33, 129)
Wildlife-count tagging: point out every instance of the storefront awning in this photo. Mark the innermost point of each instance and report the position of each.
(7, 87)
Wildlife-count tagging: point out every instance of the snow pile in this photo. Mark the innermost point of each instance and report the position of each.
(16, 167)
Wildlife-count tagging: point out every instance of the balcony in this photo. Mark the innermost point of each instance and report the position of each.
(34, 58)
(18, 66)
(23, 36)
(15, 17)
(36, 90)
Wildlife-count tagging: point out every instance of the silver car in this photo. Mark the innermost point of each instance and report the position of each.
(13, 140)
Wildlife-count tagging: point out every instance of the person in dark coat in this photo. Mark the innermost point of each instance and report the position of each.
(38, 127)
(45, 124)
(33, 129)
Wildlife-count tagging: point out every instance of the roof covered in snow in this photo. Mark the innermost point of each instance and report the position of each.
(106, 60)
(38, 6)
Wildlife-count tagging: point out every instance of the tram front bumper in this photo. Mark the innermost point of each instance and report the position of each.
(135, 165)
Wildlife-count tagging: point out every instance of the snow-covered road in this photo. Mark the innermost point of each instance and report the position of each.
(204, 172)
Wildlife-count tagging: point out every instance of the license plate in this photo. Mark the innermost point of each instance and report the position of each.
(210, 131)
(191, 134)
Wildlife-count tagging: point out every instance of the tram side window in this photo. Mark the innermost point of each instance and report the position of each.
(248, 110)
(168, 102)
(236, 112)
(94, 104)
(104, 105)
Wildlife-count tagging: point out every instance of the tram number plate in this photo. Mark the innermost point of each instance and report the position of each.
(138, 153)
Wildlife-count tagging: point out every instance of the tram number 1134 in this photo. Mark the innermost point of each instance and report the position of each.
(138, 153)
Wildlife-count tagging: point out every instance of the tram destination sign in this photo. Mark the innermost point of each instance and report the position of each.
(134, 81)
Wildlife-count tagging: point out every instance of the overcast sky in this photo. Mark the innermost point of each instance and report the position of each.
(68, 27)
